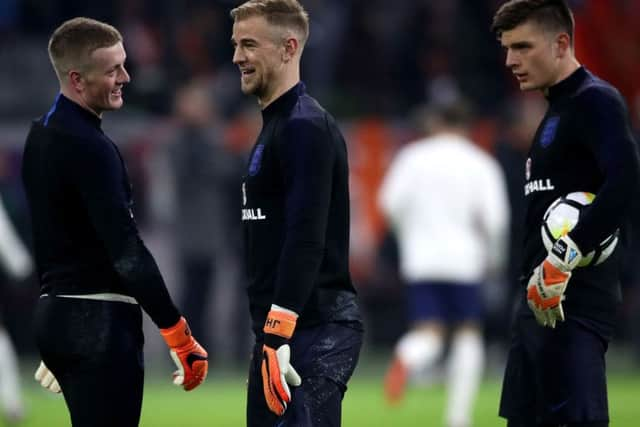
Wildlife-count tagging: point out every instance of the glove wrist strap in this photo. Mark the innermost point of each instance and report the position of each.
(177, 335)
(565, 254)
(280, 323)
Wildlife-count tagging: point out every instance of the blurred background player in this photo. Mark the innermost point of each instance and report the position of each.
(94, 270)
(446, 200)
(555, 374)
(206, 175)
(16, 262)
(295, 211)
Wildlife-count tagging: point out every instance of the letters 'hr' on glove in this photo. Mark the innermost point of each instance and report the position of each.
(189, 356)
(277, 372)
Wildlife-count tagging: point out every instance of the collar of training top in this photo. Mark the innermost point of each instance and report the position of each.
(285, 102)
(65, 105)
(568, 86)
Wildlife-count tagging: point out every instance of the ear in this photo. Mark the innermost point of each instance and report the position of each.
(563, 43)
(291, 46)
(75, 80)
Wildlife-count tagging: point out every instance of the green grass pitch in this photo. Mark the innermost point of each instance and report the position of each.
(220, 403)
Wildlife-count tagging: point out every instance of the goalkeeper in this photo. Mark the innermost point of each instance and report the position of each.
(555, 372)
(295, 212)
(95, 272)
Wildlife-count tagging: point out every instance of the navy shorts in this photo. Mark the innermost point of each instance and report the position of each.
(555, 376)
(94, 349)
(325, 356)
(443, 301)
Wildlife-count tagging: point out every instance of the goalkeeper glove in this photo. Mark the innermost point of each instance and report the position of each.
(545, 291)
(277, 372)
(187, 354)
(46, 379)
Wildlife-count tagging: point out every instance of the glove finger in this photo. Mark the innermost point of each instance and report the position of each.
(285, 388)
(275, 403)
(560, 312)
(54, 387)
(292, 377)
(551, 316)
(197, 375)
(178, 376)
(40, 372)
(540, 319)
(46, 379)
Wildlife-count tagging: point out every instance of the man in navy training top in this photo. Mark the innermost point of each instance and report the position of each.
(555, 374)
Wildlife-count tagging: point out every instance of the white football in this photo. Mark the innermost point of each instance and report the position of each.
(560, 218)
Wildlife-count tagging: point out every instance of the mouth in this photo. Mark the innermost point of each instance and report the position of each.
(520, 76)
(117, 92)
(247, 72)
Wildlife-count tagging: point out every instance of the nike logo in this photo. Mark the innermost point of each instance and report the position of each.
(194, 357)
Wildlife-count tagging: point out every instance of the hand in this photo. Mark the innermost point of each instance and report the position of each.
(545, 291)
(277, 372)
(46, 379)
(187, 354)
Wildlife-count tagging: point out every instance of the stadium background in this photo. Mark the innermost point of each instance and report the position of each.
(373, 64)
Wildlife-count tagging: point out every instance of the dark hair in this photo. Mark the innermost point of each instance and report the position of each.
(552, 15)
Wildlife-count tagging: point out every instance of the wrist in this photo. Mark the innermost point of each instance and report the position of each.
(280, 323)
(565, 254)
(177, 335)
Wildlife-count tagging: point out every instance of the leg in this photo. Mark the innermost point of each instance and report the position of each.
(10, 394)
(325, 357)
(422, 346)
(94, 348)
(466, 357)
(464, 374)
(570, 372)
(258, 413)
(321, 404)
(518, 399)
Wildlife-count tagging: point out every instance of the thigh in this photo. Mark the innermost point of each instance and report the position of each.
(447, 302)
(554, 376)
(316, 403)
(518, 398)
(570, 371)
(325, 357)
(94, 348)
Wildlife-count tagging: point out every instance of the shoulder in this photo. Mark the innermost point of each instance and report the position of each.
(597, 95)
(309, 114)
(309, 122)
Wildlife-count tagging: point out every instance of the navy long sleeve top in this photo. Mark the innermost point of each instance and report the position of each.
(584, 143)
(85, 236)
(295, 212)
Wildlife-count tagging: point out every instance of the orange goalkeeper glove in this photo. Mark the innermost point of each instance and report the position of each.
(187, 354)
(548, 283)
(277, 372)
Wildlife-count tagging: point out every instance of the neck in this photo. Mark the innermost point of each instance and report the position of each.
(290, 78)
(75, 97)
(566, 70)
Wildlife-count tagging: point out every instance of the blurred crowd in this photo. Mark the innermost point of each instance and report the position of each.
(186, 130)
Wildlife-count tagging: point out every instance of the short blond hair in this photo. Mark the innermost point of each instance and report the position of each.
(289, 14)
(73, 42)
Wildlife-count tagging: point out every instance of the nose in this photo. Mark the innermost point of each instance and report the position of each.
(124, 76)
(238, 56)
(511, 60)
